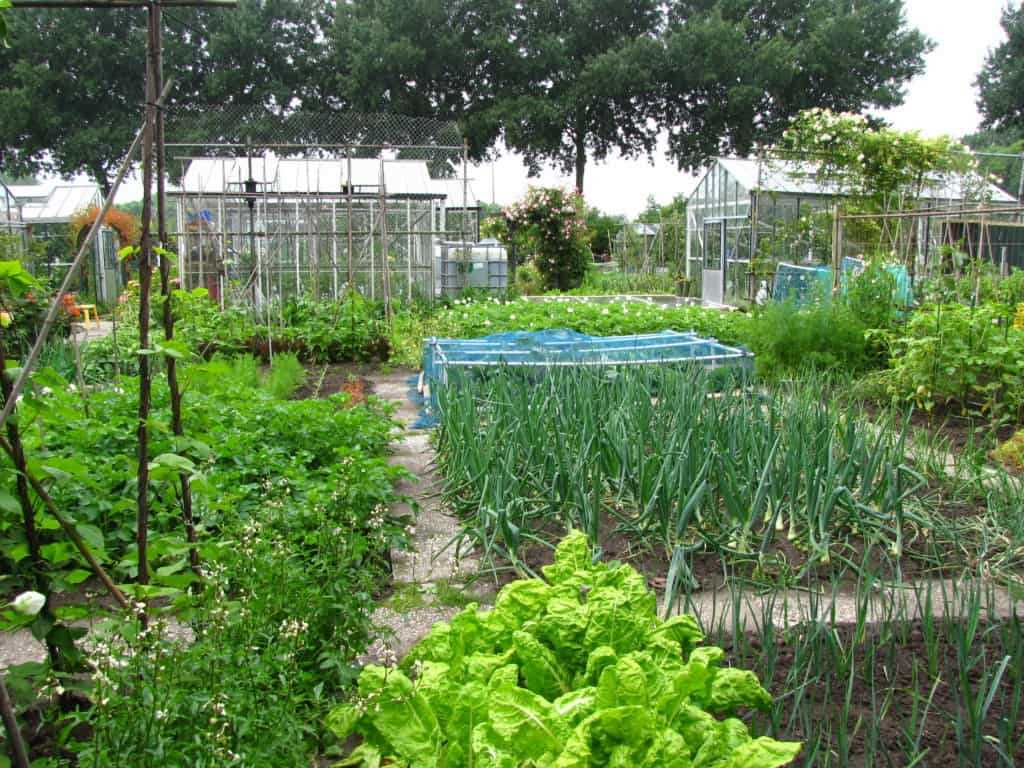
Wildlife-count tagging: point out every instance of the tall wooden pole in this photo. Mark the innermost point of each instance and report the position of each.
(145, 286)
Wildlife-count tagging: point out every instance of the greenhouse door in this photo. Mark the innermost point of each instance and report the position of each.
(713, 279)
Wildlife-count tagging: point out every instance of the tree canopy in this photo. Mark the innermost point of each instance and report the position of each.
(71, 99)
(1001, 80)
(738, 70)
(562, 82)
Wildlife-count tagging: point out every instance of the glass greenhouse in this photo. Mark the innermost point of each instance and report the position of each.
(747, 216)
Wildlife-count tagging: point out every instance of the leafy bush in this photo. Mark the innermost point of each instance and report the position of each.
(570, 672)
(292, 504)
(529, 281)
(871, 296)
(824, 336)
(352, 329)
(242, 443)
(967, 358)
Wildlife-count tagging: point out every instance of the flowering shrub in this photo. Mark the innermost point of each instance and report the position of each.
(549, 224)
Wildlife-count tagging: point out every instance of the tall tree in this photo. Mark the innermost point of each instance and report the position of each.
(736, 71)
(560, 81)
(71, 98)
(1001, 80)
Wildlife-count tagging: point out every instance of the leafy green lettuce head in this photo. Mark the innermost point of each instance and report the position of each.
(572, 671)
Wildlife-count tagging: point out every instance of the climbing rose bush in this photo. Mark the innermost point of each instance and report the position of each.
(571, 671)
(549, 224)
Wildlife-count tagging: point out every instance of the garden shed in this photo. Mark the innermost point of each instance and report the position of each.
(778, 211)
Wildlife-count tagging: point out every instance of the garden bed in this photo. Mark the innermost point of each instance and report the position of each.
(896, 694)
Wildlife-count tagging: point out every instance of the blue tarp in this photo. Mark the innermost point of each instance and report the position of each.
(562, 347)
(803, 284)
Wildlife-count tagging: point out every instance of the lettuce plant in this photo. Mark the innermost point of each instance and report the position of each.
(571, 671)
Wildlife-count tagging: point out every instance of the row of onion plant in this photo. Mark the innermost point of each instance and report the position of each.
(689, 462)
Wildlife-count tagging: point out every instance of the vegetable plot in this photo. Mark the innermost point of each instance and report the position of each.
(573, 671)
(679, 464)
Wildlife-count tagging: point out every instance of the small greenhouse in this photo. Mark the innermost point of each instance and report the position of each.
(41, 213)
(747, 216)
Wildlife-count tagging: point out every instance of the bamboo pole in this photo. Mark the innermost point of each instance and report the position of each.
(145, 288)
(187, 515)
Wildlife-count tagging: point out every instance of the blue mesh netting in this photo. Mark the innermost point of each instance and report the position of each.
(561, 347)
(803, 284)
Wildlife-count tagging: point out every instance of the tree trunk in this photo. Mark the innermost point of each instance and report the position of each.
(581, 163)
(100, 175)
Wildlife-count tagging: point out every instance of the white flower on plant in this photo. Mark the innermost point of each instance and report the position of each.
(29, 603)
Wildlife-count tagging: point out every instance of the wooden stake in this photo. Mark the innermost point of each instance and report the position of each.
(11, 724)
(145, 285)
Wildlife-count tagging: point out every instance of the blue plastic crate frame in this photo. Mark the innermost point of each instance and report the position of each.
(567, 348)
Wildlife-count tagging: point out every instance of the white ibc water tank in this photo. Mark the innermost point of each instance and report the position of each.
(483, 264)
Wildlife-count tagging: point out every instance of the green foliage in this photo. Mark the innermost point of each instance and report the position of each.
(681, 461)
(736, 72)
(825, 336)
(572, 671)
(1004, 171)
(1011, 452)
(529, 280)
(960, 357)
(243, 448)
(1001, 80)
(871, 296)
(286, 375)
(601, 231)
(471, 319)
(81, 116)
(597, 282)
(23, 305)
(351, 329)
(969, 281)
(882, 167)
(292, 502)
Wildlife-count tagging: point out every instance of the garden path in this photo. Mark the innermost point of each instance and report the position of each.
(430, 579)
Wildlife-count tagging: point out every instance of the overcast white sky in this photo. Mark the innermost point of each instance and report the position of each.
(942, 100)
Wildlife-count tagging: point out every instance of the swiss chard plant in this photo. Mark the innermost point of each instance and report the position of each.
(571, 671)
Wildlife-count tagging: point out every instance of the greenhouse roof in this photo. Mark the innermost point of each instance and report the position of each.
(215, 175)
(798, 178)
(48, 203)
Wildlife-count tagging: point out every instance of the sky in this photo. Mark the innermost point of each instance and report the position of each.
(942, 100)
